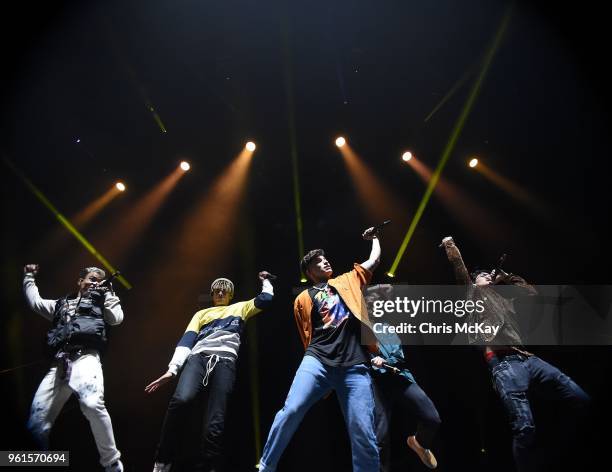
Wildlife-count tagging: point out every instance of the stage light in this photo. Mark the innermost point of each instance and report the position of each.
(473, 162)
(120, 186)
(390, 275)
(340, 141)
(406, 156)
(303, 280)
(185, 166)
(250, 146)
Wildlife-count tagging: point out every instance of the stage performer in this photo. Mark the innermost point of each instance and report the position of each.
(207, 355)
(396, 388)
(76, 340)
(514, 370)
(329, 318)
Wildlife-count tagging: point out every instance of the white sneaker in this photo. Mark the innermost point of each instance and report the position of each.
(116, 466)
(161, 467)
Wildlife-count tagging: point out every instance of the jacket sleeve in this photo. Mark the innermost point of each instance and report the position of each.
(113, 313)
(454, 257)
(185, 344)
(521, 286)
(42, 306)
(301, 318)
(362, 274)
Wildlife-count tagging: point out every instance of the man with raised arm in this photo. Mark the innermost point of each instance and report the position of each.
(207, 355)
(76, 339)
(329, 317)
(514, 370)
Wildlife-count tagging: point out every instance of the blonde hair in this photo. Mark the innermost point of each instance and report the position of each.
(223, 283)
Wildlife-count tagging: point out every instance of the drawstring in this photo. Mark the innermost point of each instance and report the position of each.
(210, 365)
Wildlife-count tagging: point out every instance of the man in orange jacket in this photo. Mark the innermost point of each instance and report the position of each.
(329, 317)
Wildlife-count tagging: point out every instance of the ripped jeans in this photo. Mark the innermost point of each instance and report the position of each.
(513, 376)
(87, 382)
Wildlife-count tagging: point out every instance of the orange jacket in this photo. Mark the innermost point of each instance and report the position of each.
(349, 286)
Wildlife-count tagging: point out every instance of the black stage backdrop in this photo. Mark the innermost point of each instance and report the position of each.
(217, 73)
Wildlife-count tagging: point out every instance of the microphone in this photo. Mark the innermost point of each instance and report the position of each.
(395, 370)
(107, 282)
(498, 266)
(377, 228)
(267, 275)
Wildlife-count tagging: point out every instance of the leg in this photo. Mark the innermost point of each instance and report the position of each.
(383, 412)
(220, 386)
(309, 385)
(569, 441)
(416, 401)
(551, 380)
(87, 381)
(354, 389)
(511, 380)
(187, 389)
(50, 397)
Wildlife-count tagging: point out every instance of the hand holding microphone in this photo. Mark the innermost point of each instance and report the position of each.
(373, 231)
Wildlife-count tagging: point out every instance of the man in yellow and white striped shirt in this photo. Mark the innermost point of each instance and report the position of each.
(207, 354)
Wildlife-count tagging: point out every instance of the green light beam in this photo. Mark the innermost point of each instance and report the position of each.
(467, 108)
(66, 223)
(293, 142)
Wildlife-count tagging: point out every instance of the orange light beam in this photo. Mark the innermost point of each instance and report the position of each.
(485, 225)
(202, 242)
(378, 201)
(120, 236)
(511, 188)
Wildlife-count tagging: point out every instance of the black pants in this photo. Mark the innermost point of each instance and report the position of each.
(190, 385)
(396, 392)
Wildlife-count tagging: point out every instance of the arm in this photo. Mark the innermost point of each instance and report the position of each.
(454, 256)
(40, 305)
(181, 352)
(303, 323)
(264, 299)
(520, 287)
(261, 301)
(374, 259)
(113, 313)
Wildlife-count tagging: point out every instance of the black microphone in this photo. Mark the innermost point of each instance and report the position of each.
(269, 276)
(377, 228)
(107, 282)
(498, 266)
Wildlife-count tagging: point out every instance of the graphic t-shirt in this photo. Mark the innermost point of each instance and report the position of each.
(335, 330)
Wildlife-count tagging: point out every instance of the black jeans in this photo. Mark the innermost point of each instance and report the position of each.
(513, 376)
(394, 391)
(220, 384)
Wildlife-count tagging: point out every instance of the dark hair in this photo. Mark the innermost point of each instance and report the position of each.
(88, 270)
(309, 257)
(476, 272)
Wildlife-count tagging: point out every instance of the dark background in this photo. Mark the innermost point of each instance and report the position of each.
(217, 74)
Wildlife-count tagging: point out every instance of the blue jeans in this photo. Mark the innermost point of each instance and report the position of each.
(312, 381)
(512, 377)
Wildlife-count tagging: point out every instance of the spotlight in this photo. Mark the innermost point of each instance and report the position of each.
(250, 146)
(340, 141)
(390, 275)
(406, 156)
(303, 280)
(473, 162)
(120, 186)
(185, 166)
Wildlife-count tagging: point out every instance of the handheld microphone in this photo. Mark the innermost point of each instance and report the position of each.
(107, 282)
(269, 276)
(498, 266)
(395, 370)
(377, 228)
